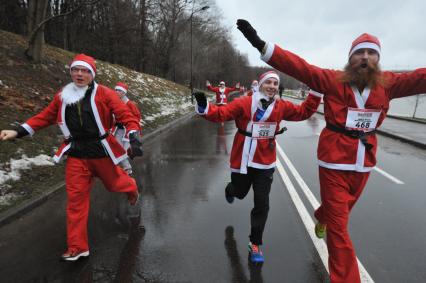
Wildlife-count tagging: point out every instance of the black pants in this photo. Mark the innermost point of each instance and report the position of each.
(261, 179)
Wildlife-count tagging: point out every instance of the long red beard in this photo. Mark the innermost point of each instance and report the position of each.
(354, 75)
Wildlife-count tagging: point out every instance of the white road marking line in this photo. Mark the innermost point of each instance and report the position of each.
(304, 215)
(309, 195)
(389, 176)
(307, 220)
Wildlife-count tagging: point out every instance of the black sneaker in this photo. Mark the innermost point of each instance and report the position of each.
(228, 193)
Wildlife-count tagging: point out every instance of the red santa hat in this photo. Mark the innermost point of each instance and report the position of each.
(268, 75)
(365, 40)
(222, 83)
(122, 87)
(85, 61)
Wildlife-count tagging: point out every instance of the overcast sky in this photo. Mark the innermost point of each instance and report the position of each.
(321, 31)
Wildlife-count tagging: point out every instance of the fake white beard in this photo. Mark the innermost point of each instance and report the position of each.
(72, 94)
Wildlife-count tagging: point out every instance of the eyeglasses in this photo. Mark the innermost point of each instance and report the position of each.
(75, 70)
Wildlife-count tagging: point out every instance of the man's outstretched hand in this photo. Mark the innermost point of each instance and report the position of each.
(201, 99)
(250, 33)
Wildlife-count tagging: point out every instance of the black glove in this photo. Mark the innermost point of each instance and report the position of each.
(135, 145)
(250, 33)
(201, 99)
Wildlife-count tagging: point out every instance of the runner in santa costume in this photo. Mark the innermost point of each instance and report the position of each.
(84, 112)
(119, 131)
(222, 91)
(356, 101)
(253, 154)
(254, 85)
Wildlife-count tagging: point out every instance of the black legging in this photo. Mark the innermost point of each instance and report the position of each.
(261, 179)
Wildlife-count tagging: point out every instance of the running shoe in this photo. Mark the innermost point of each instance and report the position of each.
(320, 230)
(74, 255)
(228, 193)
(256, 255)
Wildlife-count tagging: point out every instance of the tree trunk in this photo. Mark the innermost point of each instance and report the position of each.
(142, 35)
(36, 14)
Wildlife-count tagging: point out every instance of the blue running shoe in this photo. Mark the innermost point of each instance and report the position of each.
(256, 255)
(228, 193)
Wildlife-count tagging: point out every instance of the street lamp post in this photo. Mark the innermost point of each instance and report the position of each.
(191, 86)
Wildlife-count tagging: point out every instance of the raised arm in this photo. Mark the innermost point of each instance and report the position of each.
(214, 89)
(293, 112)
(406, 84)
(41, 120)
(215, 113)
(289, 63)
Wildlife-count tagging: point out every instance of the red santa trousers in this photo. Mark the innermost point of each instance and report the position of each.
(79, 174)
(340, 191)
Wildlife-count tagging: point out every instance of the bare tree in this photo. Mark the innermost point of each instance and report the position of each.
(153, 36)
(37, 11)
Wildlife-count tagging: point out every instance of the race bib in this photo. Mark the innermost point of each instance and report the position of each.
(263, 130)
(362, 119)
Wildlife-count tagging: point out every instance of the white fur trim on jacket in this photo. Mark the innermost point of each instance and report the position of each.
(314, 93)
(268, 52)
(28, 128)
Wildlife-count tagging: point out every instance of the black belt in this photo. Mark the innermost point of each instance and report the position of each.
(87, 138)
(353, 134)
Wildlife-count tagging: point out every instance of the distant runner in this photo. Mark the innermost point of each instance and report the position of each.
(119, 131)
(222, 92)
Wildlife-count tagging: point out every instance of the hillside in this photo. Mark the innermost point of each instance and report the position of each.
(25, 165)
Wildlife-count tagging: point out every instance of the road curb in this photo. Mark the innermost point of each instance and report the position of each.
(28, 205)
(402, 138)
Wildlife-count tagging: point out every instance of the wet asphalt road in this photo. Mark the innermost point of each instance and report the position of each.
(192, 235)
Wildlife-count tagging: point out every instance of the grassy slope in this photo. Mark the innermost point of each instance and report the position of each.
(25, 89)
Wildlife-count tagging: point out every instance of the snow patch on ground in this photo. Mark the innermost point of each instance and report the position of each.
(7, 198)
(12, 170)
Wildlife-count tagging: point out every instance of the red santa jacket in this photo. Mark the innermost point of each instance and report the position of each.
(336, 150)
(134, 110)
(257, 153)
(105, 103)
(221, 93)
